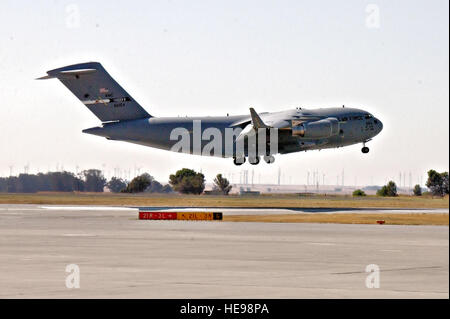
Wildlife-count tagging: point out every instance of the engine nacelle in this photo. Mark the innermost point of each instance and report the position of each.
(318, 129)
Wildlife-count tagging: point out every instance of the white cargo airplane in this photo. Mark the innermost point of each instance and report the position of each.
(123, 119)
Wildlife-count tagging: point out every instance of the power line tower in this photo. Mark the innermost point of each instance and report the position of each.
(404, 179)
(410, 180)
(253, 175)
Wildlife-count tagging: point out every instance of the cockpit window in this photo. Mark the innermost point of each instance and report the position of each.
(368, 116)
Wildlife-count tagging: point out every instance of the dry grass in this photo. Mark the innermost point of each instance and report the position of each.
(390, 219)
(286, 201)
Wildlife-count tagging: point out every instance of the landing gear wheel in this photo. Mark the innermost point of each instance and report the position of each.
(254, 160)
(238, 160)
(365, 150)
(269, 159)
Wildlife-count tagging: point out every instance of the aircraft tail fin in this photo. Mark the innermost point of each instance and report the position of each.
(96, 89)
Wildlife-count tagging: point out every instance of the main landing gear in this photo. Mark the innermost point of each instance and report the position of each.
(269, 159)
(254, 160)
(238, 160)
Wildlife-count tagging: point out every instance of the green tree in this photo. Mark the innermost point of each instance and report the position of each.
(445, 182)
(187, 181)
(94, 181)
(222, 184)
(359, 192)
(437, 182)
(116, 185)
(139, 184)
(417, 190)
(388, 190)
(166, 189)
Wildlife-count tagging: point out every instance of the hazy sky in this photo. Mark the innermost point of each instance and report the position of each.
(218, 57)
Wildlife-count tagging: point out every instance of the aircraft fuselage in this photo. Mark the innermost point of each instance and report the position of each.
(355, 126)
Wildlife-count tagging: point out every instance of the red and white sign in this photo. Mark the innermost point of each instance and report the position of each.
(157, 215)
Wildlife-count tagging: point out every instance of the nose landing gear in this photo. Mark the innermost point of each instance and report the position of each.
(365, 149)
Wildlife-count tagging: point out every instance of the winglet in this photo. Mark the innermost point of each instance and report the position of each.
(45, 77)
(256, 120)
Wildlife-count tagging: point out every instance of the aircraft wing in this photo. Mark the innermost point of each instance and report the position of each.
(263, 120)
(279, 120)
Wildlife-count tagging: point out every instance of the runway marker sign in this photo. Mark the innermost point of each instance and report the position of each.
(157, 215)
(154, 215)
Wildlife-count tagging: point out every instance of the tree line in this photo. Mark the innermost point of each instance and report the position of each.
(186, 181)
(437, 183)
(91, 180)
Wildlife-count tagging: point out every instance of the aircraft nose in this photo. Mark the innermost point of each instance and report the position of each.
(379, 125)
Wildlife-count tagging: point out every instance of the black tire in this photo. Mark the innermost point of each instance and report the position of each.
(237, 163)
(269, 159)
(254, 161)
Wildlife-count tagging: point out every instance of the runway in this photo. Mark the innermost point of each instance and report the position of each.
(120, 256)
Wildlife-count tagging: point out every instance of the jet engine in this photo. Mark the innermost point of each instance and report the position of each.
(317, 129)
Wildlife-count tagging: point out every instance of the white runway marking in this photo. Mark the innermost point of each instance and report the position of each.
(95, 208)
